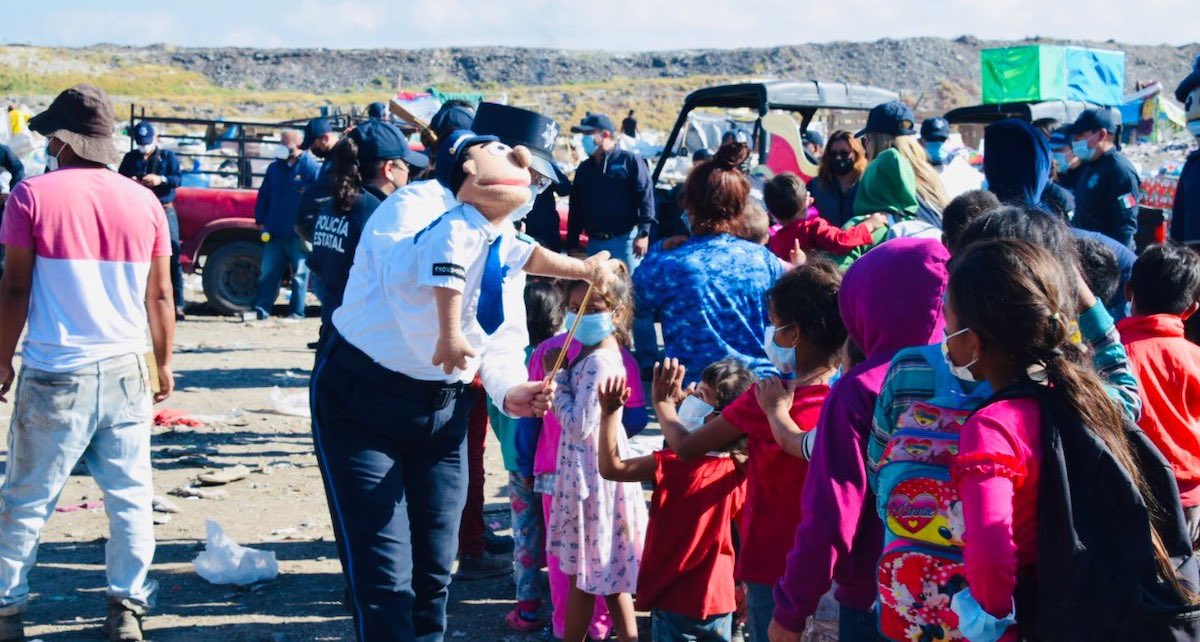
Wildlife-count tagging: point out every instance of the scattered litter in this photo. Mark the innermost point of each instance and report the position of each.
(74, 508)
(168, 418)
(193, 389)
(294, 404)
(198, 493)
(163, 505)
(290, 374)
(222, 476)
(226, 562)
(230, 418)
(161, 518)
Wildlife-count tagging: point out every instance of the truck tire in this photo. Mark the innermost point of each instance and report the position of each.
(230, 276)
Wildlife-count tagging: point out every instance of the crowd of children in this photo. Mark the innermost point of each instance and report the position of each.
(917, 448)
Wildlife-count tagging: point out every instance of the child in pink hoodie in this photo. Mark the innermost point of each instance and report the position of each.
(890, 299)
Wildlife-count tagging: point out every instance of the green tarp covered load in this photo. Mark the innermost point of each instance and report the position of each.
(1037, 73)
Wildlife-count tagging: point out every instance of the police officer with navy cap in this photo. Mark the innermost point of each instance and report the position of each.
(1107, 189)
(158, 169)
(391, 434)
(1185, 215)
(934, 134)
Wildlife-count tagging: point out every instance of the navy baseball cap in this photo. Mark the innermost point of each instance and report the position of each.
(592, 123)
(315, 129)
(515, 126)
(1093, 120)
(935, 129)
(1060, 138)
(1189, 83)
(450, 118)
(451, 153)
(143, 133)
(813, 137)
(894, 119)
(378, 141)
(376, 110)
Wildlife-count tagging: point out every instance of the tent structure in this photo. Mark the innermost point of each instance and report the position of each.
(1150, 117)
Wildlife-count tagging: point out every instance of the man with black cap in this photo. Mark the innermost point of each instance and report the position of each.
(284, 185)
(1108, 189)
(958, 176)
(1185, 215)
(158, 169)
(814, 145)
(319, 139)
(612, 201)
(88, 268)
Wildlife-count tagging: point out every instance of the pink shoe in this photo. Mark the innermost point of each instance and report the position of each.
(517, 623)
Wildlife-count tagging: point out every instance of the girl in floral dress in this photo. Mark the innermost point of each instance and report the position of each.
(596, 526)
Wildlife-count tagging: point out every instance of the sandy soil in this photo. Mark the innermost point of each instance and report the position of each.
(226, 371)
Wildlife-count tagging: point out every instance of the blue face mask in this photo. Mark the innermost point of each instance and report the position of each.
(589, 145)
(521, 212)
(687, 222)
(934, 150)
(593, 328)
(1194, 127)
(1082, 151)
(784, 359)
(1061, 159)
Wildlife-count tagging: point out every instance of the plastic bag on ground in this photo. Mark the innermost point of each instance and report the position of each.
(294, 404)
(224, 561)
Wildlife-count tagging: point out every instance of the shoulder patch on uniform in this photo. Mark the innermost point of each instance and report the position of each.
(452, 270)
(1127, 201)
(525, 238)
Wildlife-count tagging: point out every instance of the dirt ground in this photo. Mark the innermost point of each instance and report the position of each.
(226, 370)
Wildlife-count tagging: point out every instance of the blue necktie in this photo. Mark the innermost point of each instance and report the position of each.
(491, 290)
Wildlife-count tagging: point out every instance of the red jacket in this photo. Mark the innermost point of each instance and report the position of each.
(1168, 370)
(815, 233)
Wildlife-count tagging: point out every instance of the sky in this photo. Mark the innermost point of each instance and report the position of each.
(614, 25)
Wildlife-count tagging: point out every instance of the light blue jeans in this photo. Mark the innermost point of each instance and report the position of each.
(645, 338)
(101, 413)
(279, 255)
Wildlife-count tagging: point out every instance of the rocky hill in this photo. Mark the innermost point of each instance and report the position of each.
(933, 73)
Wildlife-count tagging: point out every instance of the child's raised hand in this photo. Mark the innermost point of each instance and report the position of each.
(876, 221)
(774, 396)
(613, 394)
(452, 352)
(796, 255)
(668, 382)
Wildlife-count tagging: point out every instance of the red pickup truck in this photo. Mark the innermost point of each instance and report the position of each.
(217, 232)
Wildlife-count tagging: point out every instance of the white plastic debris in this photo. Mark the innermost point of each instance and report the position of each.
(226, 562)
(294, 404)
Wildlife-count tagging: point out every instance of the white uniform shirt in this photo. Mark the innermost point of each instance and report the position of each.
(389, 311)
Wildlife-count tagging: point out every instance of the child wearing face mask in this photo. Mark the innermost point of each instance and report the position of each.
(804, 342)
(596, 526)
(537, 454)
(686, 578)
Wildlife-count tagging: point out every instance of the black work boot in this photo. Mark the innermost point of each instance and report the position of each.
(124, 621)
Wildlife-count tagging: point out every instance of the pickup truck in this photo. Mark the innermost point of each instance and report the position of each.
(223, 164)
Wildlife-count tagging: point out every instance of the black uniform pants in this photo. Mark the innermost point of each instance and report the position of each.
(176, 266)
(392, 452)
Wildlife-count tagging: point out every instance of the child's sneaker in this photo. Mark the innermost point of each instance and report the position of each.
(516, 622)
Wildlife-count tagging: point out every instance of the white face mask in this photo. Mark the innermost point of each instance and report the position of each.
(693, 412)
(1194, 127)
(52, 159)
(521, 212)
(146, 149)
(960, 372)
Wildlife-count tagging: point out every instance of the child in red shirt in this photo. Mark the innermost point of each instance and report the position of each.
(787, 199)
(804, 343)
(686, 576)
(1163, 291)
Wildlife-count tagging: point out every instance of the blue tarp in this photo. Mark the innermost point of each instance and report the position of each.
(1096, 75)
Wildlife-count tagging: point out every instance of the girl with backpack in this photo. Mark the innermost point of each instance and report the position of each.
(1008, 322)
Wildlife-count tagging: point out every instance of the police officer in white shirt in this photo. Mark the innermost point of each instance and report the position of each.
(389, 428)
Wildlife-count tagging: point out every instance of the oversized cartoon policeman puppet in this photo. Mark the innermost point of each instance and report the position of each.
(474, 249)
